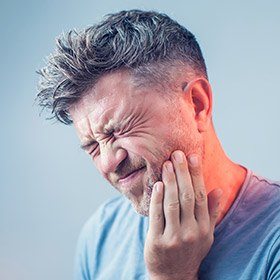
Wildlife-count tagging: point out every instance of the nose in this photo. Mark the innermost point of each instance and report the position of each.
(110, 157)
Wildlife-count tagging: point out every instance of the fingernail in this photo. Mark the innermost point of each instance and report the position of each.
(158, 187)
(178, 156)
(193, 159)
(168, 166)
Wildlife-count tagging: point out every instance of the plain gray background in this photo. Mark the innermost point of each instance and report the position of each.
(48, 186)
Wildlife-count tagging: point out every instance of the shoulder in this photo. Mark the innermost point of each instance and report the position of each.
(265, 181)
(265, 190)
(262, 203)
(260, 187)
(257, 206)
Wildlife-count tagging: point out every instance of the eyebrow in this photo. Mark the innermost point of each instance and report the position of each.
(87, 144)
(92, 141)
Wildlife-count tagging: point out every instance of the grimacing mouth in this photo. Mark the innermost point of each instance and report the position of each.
(129, 173)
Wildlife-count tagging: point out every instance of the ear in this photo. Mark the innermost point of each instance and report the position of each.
(199, 94)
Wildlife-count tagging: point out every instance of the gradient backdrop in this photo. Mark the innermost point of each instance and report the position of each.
(49, 187)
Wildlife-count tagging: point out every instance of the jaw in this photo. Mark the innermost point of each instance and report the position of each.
(142, 207)
(140, 203)
(140, 196)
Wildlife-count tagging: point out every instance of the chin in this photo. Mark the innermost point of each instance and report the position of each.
(142, 205)
(140, 195)
(142, 210)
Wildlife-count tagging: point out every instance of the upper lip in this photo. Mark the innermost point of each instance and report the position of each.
(130, 173)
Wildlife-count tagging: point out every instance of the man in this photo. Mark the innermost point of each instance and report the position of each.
(135, 87)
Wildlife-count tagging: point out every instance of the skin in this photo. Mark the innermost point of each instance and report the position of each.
(184, 234)
(141, 127)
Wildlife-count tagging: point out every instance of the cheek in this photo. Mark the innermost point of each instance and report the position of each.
(153, 152)
(148, 148)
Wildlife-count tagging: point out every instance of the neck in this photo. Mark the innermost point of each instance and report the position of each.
(221, 172)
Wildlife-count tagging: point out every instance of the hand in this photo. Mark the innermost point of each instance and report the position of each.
(181, 220)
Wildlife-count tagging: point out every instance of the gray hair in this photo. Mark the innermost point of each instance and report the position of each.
(145, 43)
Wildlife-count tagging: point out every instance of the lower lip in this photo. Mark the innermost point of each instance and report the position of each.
(133, 176)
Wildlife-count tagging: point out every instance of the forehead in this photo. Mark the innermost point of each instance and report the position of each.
(113, 97)
(109, 88)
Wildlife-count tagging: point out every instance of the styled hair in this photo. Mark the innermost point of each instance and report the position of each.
(145, 43)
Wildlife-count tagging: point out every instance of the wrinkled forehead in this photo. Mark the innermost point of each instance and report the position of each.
(111, 90)
(100, 113)
(90, 102)
(118, 87)
(114, 98)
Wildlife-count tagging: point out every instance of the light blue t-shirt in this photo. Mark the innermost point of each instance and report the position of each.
(246, 246)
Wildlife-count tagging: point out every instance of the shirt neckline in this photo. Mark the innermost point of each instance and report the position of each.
(235, 203)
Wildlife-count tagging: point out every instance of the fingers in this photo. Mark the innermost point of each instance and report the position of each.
(185, 188)
(214, 198)
(181, 198)
(175, 248)
(171, 203)
(201, 205)
(156, 217)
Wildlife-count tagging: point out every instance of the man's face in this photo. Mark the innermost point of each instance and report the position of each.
(133, 129)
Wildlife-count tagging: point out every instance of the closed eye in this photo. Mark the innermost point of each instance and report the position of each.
(93, 149)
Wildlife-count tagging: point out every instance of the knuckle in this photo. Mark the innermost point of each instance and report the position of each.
(174, 243)
(173, 206)
(157, 244)
(157, 217)
(187, 197)
(204, 231)
(200, 197)
(190, 238)
(215, 214)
